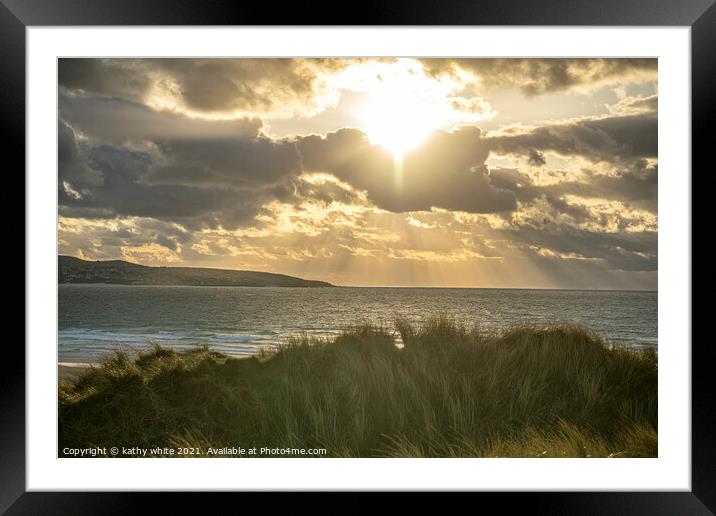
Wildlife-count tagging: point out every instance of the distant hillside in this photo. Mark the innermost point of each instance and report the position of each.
(74, 270)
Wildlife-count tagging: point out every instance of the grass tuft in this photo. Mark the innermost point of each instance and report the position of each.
(450, 391)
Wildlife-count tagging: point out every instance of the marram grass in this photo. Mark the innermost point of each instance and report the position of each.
(531, 391)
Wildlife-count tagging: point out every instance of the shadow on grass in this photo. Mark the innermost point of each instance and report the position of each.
(532, 391)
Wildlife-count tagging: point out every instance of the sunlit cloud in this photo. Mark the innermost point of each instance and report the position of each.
(365, 171)
(402, 104)
(535, 76)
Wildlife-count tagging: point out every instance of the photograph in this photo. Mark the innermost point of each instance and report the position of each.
(357, 257)
(411, 248)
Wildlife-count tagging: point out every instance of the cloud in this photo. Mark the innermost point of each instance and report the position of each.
(126, 78)
(116, 180)
(635, 105)
(536, 158)
(620, 251)
(241, 163)
(134, 161)
(149, 169)
(535, 76)
(121, 158)
(261, 85)
(446, 171)
(638, 184)
(72, 167)
(226, 181)
(608, 139)
(471, 109)
(115, 120)
(209, 86)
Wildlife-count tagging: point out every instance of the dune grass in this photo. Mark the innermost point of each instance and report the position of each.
(450, 391)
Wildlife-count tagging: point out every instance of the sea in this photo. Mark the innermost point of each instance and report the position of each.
(97, 319)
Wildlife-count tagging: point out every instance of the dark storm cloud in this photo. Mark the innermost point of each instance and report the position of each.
(132, 160)
(609, 139)
(327, 192)
(540, 76)
(637, 185)
(227, 84)
(115, 120)
(120, 184)
(225, 180)
(127, 78)
(72, 167)
(119, 158)
(204, 85)
(625, 249)
(241, 163)
(526, 192)
(536, 158)
(635, 251)
(446, 171)
(215, 85)
(122, 189)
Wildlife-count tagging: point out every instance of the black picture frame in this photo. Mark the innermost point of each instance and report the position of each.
(17, 15)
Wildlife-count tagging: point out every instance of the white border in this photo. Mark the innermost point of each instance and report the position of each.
(670, 471)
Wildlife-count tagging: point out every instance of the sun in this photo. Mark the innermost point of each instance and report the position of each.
(397, 120)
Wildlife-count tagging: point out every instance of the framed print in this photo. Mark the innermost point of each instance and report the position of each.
(426, 251)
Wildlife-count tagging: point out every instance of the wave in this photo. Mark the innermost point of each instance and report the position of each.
(84, 344)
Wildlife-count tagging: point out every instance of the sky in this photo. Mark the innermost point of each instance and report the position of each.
(514, 173)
